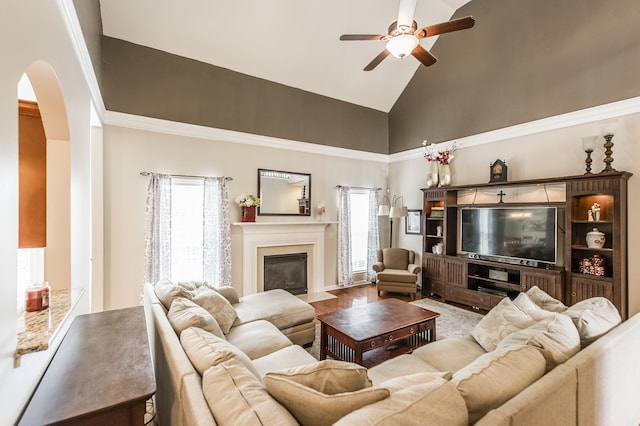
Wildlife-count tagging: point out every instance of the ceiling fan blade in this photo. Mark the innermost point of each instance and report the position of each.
(376, 61)
(446, 27)
(355, 37)
(424, 56)
(406, 10)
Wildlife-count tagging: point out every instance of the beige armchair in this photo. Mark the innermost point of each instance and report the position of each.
(396, 271)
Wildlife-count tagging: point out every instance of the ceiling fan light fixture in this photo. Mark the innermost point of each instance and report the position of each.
(402, 45)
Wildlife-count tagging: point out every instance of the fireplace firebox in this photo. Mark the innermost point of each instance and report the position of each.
(287, 272)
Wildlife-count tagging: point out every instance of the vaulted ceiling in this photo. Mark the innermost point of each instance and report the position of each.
(290, 42)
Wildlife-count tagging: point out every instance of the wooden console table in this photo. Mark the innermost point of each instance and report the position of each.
(101, 373)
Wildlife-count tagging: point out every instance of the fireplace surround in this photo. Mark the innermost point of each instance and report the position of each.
(271, 238)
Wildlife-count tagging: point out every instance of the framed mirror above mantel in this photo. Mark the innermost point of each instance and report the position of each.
(284, 193)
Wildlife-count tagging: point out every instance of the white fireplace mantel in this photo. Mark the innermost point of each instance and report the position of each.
(256, 235)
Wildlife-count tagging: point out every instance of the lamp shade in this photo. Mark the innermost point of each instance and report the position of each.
(398, 211)
(402, 45)
(383, 210)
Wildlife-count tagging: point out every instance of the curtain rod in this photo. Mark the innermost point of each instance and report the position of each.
(182, 176)
(358, 187)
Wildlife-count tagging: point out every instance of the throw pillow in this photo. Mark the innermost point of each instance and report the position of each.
(593, 318)
(191, 285)
(398, 383)
(217, 306)
(184, 314)
(525, 304)
(328, 376)
(236, 397)
(205, 350)
(229, 293)
(167, 290)
(556, 337)
(434, 402)
(316, 395)
(544, 300)
(505, 318)
(496, 377)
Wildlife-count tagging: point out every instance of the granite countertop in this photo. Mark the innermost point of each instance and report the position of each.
(36, 329)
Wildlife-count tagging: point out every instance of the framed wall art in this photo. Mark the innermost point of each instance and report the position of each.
(413, 222)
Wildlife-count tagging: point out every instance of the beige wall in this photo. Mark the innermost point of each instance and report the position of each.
(539, 155)
(127, 152)
(49, 43)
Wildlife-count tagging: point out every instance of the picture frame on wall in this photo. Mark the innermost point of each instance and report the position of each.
(413, 222)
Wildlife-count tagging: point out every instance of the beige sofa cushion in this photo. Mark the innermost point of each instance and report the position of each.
(205, 350)
(505, 318)
(257, 338)
(279, 307)
(217, 306)
(450, 354)
(166, 290)
(399, 366)
(184, 314)
(593, 318)
(289, 357)
(321, 393)
(525, 304)
(415, 400)
(496, 377)
(228, 293)
(544, 300)
(556, 337)
(236, 397)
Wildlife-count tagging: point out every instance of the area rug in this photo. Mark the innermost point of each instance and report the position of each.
(452, 322)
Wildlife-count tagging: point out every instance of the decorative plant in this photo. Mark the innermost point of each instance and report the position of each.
(445, 156)
(430, 153)
(441, 156)
(247, 200)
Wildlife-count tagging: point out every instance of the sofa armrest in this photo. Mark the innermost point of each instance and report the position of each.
(413, 268)
(378, 266)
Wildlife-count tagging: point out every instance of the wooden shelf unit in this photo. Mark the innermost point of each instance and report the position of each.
(467, 281)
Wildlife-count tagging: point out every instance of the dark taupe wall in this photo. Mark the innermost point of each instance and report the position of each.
(524, 60)
(88, 12)
(148, 82)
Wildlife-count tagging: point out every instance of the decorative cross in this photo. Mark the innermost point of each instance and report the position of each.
(501, 194)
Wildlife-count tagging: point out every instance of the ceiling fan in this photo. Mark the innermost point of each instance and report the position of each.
(403, 38)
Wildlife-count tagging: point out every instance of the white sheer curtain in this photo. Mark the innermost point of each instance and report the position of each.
(157, 254)
(373, 243)
(216, 241)
(216, 258)
(345, 270)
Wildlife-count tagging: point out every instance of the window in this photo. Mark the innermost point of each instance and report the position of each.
(359, 200)
(30, 270)
(186, 230)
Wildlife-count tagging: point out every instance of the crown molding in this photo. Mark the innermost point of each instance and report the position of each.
(191, 130)
(584, 116)
(70, 18)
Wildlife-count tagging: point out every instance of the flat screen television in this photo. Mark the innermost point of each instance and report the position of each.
(510, 234)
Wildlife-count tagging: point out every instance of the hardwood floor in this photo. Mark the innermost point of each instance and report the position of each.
(355, 296)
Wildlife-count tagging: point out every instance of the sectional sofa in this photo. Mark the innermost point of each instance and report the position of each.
(530, 361)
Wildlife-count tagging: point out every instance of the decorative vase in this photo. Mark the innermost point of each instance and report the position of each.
(445, 175)
(595, 239)
(432, 174)
(249, 214)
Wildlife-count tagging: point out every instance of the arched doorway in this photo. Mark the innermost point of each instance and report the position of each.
(46, 258)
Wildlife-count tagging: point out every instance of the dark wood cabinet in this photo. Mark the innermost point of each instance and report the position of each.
(482, 283)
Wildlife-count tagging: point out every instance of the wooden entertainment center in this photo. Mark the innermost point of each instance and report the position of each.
(481, 282)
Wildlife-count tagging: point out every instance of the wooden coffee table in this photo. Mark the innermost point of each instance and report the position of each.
(372, 333)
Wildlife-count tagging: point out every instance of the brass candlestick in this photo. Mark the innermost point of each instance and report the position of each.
(608, 159)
